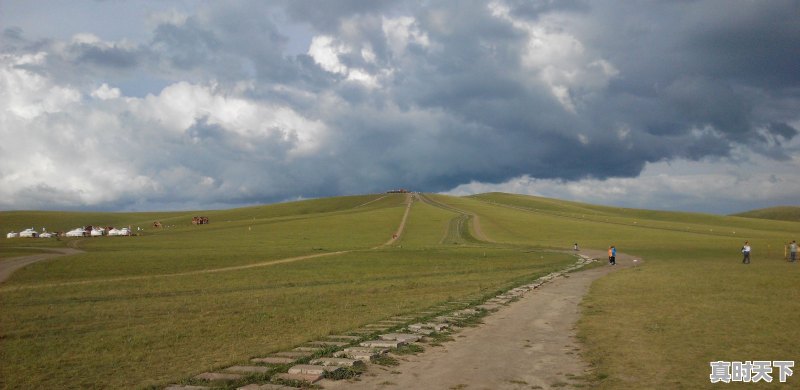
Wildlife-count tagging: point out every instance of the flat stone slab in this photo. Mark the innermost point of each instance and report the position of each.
(466, 312)
(408, 338)
(248, 369)
(310, 378)
(339, 362)
(360, 353)
(382, 343)
(488, 307)
(273, 360)
(268, 386)
(329, 343)
(423, 331)
(218, 376)
(186, 387)
(312, 369)
(343, 337)
(293, 354)
(307, 349)
(429, 325)
(403, 318)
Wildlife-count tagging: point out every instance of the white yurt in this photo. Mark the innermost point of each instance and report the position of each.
(97, 232)
(119, 232)
(12, 235)
(77, 232)
(29, 233)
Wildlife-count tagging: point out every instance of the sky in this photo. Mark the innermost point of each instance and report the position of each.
(177, 105)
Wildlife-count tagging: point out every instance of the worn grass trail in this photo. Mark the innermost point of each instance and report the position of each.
(9, 265)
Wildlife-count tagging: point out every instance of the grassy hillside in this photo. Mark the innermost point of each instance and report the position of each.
(780, 213)
(692, 302)
(138, 311)
(133, 312)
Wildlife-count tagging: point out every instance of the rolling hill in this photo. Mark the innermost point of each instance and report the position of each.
(143, 311)
(779, 213)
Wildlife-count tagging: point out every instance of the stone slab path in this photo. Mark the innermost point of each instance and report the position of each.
(530, 343)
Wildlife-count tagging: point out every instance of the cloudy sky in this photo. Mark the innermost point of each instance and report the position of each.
(148, 105)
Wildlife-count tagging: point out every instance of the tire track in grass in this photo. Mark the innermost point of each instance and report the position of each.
(461, 222)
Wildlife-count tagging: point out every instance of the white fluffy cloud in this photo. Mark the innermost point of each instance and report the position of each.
(75, 151)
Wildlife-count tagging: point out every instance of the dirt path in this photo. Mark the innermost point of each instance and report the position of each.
(529, 344)
(7, 267)
(32, 259)
(476, 225)
(402, 227)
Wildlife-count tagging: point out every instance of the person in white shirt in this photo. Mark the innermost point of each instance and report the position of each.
(746, 253)
(793, 251)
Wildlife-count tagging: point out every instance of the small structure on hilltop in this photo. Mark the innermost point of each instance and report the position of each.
(77, 232)
(29, 233)
(119, 232)
(199, 220)
(399, 191)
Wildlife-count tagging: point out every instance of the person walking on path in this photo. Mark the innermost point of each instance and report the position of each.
(746, 253)
(612, 255)
(793, 251)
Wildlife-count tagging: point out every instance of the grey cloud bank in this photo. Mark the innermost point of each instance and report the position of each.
(676, 105)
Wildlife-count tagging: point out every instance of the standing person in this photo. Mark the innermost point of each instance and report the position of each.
(746, 253)
(793, 251)
(613, 255)
(575, 247)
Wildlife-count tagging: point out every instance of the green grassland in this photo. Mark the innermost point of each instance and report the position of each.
(148, 310)
(780, 213)
(659, 325)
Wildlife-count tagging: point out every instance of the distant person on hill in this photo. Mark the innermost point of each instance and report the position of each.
(575, 247)
(746, 253)
(612, 255)
(793, 251)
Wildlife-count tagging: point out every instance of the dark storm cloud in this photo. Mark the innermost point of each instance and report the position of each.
(433, 95)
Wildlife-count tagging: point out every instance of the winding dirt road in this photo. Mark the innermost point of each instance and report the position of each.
(529, 344)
